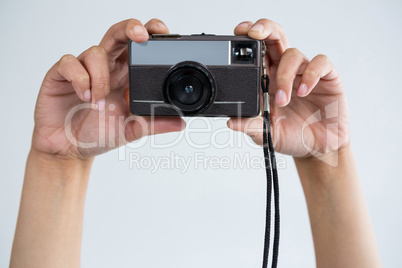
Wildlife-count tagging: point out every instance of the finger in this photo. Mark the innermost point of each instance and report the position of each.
(70, 69)
(290, 65)
(273, 36)
(253, 127)
(140, 126)
(319, 68)
(156, 26)
(243, 28)
(116, 38)
(96, 61)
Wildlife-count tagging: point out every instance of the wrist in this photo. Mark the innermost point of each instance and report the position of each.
(325, 160)
(58, 168)
(51, 211)
(327, 167)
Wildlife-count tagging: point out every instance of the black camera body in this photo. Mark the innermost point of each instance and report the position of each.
(195, 75)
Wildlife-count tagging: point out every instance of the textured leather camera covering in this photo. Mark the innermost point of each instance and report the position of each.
(234, 84)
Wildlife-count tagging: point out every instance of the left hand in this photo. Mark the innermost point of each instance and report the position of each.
(98, 78)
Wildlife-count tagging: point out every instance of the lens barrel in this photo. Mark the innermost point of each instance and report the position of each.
(190, 87)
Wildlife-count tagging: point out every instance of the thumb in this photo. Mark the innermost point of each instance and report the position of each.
(140, 126)
(253, 127)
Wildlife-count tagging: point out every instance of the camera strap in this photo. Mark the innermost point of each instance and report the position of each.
(271, 173)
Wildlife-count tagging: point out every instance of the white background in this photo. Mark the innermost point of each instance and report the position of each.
(207, 217)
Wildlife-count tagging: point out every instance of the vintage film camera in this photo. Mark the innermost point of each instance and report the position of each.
(195, 75)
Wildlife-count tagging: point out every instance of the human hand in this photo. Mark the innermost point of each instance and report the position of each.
(308, 109)
(99, 77)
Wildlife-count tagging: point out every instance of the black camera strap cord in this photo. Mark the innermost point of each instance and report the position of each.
(272, 177)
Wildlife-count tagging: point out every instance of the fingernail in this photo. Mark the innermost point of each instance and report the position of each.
(161, 25)
(182, 125)
(101, 104)
(302, 90)
(243, 25)
(280, 97)
(229, 123)
(257, 28)
(139, 30)
(87, 95)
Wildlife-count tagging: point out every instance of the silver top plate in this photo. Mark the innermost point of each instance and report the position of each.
(172, 52)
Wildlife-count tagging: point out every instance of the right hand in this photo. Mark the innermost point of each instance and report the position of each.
(98, 76)
(306, 96)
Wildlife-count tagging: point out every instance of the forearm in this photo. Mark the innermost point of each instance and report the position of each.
(342, 232)
(49, 227)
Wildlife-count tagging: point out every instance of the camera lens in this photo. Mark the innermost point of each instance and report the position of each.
(187, 89)
(190, 87)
